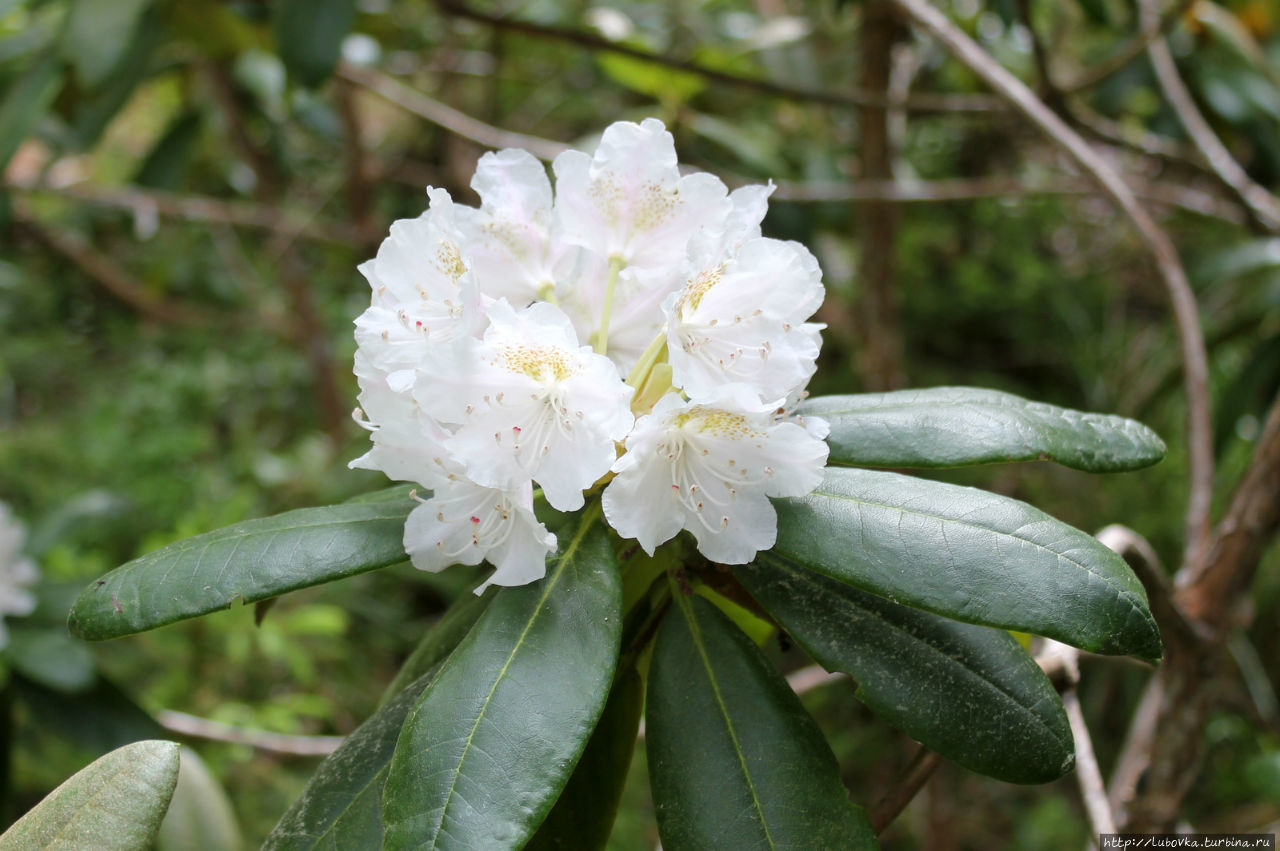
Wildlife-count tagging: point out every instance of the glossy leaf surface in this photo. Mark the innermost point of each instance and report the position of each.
(493, 740)
(971, 693)
(967, 554)
(246, 562)
(584, 813)
(952, 426)
(735, 761)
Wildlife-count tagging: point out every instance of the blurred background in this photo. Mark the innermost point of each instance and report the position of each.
(189, 186)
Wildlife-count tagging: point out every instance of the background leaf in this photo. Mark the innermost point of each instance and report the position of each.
(735, 761)
(967, 554)
(199, 817)
(116, 802)
(493, 740)
(925, 674)
(98, 34)
(25, 103)
(309, 36)
(950, 426)
(247, 562)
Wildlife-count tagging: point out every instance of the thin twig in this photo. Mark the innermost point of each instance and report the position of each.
(1092, 790)
(1185, 198)
(443, 115)
(1088, 774)
(845, 97)
(1191, 340)
(904, 789)
(1261, 204)
(263, 740)
(195, 208)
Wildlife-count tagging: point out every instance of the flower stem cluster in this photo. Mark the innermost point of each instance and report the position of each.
(492, 358)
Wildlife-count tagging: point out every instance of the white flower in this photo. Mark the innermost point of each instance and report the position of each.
(464, 523)
(629, 204)
(510, 241)
(423, 291)
(742, 320)
(629, 200)
(407, 444)
(710, 468)
(529, 403)
(17, 572)
(492, 355)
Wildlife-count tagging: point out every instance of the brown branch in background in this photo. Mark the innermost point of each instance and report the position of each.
(1209, 589)
(1168, 194)
(904, 789)
(443, 115)
(1165, 151)
(878, 318)
(359, 174)
(194, 208)
(104, 271)
(1191, 340)
(856, 97)
(263, 740)
(1262, 205)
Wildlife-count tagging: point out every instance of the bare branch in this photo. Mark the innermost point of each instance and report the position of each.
(1209, 589)
(1261, 204)
(263, 740)
(855, 97)
(1185, 198)
(1191, 340)
(195, 208)
(904, 789)
(443, 115)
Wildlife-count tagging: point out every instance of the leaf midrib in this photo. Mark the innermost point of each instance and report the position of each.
(696, 634)
(915, 640)
(550, 583)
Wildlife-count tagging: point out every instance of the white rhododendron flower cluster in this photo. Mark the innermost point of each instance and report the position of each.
(629, 329)
(17, 572)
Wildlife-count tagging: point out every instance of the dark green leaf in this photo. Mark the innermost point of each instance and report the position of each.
(97, 35)
(735, 761)
(25, 103)
(92, 113)
(493, 740)
(114, 804)
(247, 562)
(341, 807)
(950, 426)
(967, 554)
(583, 815)
(970, 693)
(309, 36)
(164, 166)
